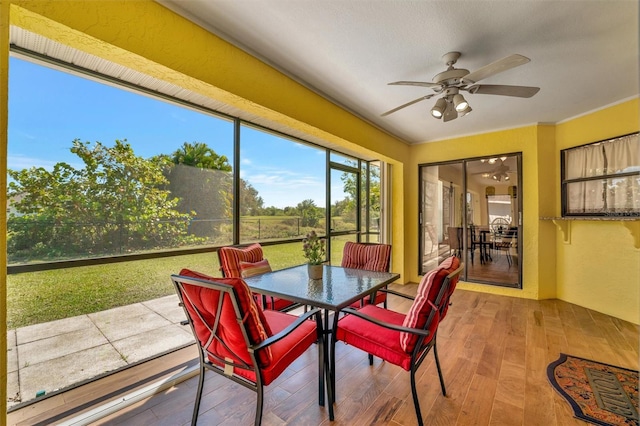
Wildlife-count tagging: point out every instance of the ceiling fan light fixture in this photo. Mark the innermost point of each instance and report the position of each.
(466, 111)
(438, 109)
(460, 102)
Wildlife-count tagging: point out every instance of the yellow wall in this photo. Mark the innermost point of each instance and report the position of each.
(531, 141)
(599, 265)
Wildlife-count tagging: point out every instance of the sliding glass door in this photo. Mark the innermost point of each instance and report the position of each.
(471, 209)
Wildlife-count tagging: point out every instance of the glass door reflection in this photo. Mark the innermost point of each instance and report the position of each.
(471, 209)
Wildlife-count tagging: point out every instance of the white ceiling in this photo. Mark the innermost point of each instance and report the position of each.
(584, 54)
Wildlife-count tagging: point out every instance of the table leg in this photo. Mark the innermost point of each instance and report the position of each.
(330, 362)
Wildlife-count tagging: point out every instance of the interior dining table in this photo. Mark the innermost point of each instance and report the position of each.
(338, 288)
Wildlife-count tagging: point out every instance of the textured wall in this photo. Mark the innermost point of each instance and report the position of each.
(599, 264)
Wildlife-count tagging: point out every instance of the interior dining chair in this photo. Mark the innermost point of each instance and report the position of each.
(404, 340)
(239, 340)
(370, 257)
(248, 260)
(505, 244)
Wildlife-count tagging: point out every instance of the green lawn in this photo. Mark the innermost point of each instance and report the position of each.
(37, 297)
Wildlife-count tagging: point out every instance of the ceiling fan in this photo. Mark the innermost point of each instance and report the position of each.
(451, 82)
(499, 173)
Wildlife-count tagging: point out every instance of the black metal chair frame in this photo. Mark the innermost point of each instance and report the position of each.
(206, 364)
(479, 241)
(507, 246)
(421, 349)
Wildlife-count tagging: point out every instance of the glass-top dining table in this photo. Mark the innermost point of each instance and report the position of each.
(338, 288)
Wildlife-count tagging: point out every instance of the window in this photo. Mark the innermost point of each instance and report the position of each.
(282, 187)
(96, 224)
(602, 178)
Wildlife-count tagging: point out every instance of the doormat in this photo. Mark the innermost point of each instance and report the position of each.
(601, 394)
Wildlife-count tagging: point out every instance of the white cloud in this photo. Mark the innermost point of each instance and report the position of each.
(282, 188)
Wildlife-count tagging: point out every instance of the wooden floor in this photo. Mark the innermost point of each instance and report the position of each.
(496, 270)
(494, 352)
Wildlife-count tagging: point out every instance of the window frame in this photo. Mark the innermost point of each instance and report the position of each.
(237, 122)
(565, 182)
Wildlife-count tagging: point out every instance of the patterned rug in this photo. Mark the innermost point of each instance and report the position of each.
(601, 394)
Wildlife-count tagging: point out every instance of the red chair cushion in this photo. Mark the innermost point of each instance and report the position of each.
(230, 258)
(378, 341)
(422, 305)
(249, 269)
(246, 262)
(206, 301)
(371, 257)
(288, 349)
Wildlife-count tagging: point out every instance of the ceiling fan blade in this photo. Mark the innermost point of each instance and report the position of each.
(495, 68)
(415, 83)
(450, 113)
(499, 89)
(406, 105)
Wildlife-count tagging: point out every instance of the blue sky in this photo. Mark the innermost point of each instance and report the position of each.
(48, 109)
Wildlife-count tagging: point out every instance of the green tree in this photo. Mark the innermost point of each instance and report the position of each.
(309, 213)
(201, 156)
(114, 203)
(350, 187)
(203, 182)
(251, 204)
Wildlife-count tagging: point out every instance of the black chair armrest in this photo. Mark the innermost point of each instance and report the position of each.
(273, 339)
(376, 321)
(397, 293)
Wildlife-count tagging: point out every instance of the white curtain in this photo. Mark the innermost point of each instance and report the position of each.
(585, 161)
(620, 155)
(623, 155)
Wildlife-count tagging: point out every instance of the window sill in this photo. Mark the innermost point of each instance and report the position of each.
(564, 225)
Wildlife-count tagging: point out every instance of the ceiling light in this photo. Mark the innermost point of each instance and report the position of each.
(465, 111)
(460, 103)
(486, 175)
(438, 108)
(492, 160)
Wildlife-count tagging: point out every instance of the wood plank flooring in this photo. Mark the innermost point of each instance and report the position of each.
(494, 352)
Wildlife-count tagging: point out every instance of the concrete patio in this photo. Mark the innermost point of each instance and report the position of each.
(47, 357)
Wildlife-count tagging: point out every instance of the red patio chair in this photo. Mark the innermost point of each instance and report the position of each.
(404, 340)
(246, 261)
(239, 340)
(371, 257)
